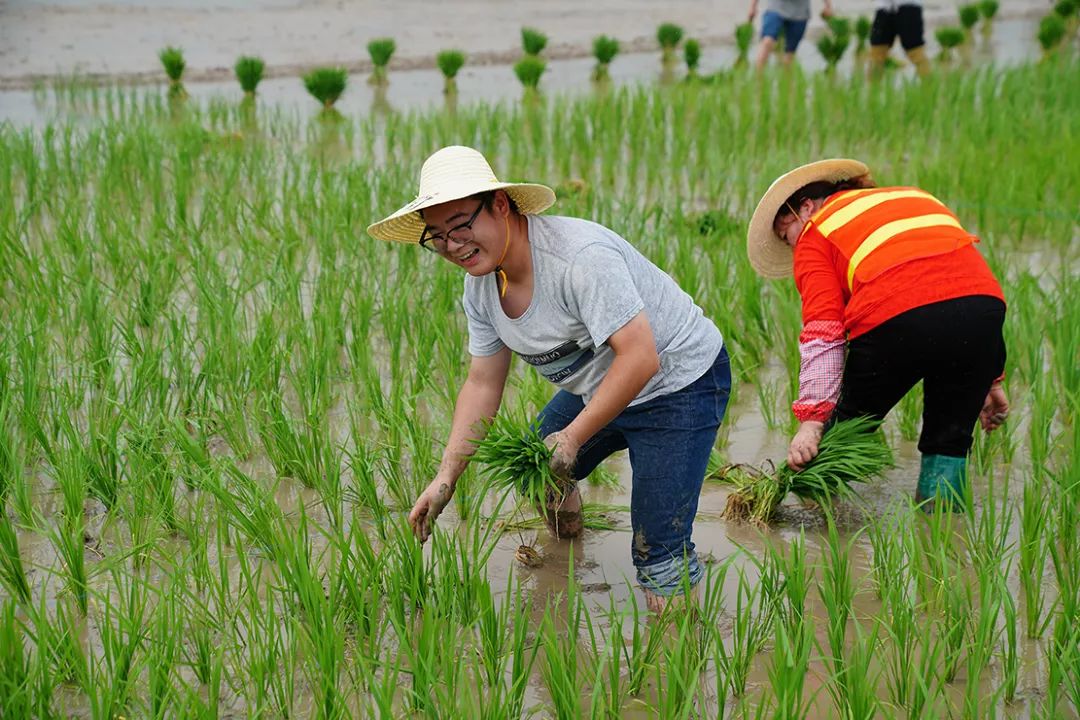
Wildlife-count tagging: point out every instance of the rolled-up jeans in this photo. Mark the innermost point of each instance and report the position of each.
(669, 438)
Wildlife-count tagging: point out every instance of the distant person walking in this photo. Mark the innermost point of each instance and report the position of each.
(791, 16)
(893, 18)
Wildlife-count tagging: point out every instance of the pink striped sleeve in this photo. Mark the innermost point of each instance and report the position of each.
(821, 366)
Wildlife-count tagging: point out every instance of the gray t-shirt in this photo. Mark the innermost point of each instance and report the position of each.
(588, 283)
(790, 9)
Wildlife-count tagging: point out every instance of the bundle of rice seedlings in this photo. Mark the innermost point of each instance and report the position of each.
(533, 41)
(605, 48)
(380, 50)
(1051, 32)
(850, 452)
(744, 37)
(668, 36)
(326, 84)
(692, 55)
(969, 15)
(528, 70)
(450, 62)
(949, 38)
(515, 457)
(862, 32)
(172, 59)
(249, 71)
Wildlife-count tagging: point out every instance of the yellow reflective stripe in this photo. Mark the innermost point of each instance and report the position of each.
(848, 213)
(888, 231)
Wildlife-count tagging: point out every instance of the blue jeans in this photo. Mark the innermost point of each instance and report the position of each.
(669, 438)
(772, 21)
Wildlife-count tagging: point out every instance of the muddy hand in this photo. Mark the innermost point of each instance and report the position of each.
(428, 507)
(564, 451)
(804, 446)
(995, 408)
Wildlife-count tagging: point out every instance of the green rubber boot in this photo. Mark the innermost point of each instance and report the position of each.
(942, 480)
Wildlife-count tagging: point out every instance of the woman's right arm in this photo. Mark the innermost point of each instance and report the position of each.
(477, 401)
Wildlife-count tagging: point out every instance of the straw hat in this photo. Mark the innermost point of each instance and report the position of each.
(770, 256)
(449, 174)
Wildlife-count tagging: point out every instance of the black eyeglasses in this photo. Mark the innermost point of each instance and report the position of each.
(459, 233)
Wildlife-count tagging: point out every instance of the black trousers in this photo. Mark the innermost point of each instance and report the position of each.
(955, 347)
(906, 21)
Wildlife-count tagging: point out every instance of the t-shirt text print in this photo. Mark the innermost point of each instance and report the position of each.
(562, 362)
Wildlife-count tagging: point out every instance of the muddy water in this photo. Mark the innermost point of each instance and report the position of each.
(1012, 41)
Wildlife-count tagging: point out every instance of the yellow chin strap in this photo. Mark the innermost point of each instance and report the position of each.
(500, 274)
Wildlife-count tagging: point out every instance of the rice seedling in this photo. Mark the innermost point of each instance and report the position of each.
(533, 41)
(450, 63)
(16, 698)
(172, 60)
(949, 38)
(12, 572)
(692, 56)
(604, 48)
(850, 452)
(834, 44)
(326, 85)
(380, 50)
(969, 15)
(744, 38)
(1010, 656)
(529, 70)
(668, 36)
(1051, 32)
(1066, 8)
(515, 457)
(249, 72)
(988, 10)
(862, 33)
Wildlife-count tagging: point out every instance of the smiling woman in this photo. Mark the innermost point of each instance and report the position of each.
(637, 364)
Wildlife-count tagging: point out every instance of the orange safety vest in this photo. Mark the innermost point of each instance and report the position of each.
(876, 229)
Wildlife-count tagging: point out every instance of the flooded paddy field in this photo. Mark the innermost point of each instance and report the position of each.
(219, 399)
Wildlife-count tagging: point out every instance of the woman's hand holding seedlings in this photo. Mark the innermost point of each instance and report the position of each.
(804, 446)
(564, 452)
(429, 506)
(995, 408)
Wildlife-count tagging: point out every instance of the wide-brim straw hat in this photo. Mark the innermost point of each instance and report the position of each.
(770, 256)
(453, 173)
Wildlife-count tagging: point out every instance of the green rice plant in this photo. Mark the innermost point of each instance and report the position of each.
(380, 50)
(163, 650)
(326, 85)
(515, 457)
(172, 60)
(792, 642)
(604, 48)
(1066, 8)
(69, 541)
(450, 63)
(643, 651)
(668, 36)
(862, 32)
(969, 15)
(988, 10)
(849, 452)
(834, 44)
(949, 38)
(12, 573)
(847, 684)
(953, 626)
(533, 41)
(744, 38)
(1051, 32)
(249, 72)
(1010, 657)
(692, 56)
(1033, 550)
(909, 413)
(983, 640)
(680, 672)
(529, 70)
(751, 628)
(16, 684)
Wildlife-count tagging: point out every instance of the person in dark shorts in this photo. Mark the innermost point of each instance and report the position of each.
(892, 19)
(893, 292)
(791, 16)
